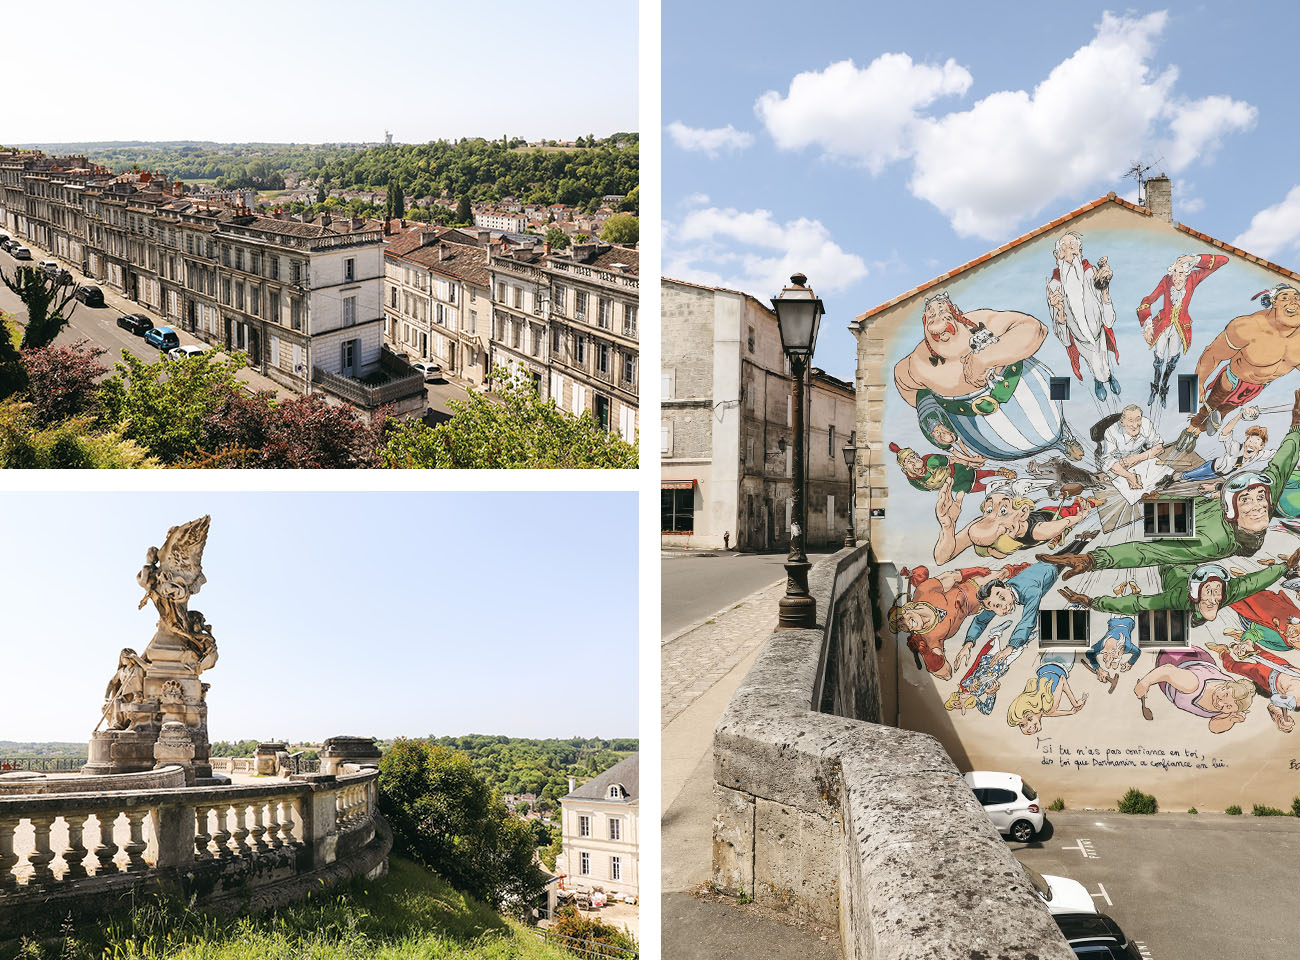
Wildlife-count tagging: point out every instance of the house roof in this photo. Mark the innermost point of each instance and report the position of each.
(460, 260)
(1060, 222)
(736, 293)
(626, 773)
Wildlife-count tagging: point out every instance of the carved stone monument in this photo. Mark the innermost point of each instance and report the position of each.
(162, 685)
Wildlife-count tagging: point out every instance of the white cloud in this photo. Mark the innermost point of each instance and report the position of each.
(993, 166)
(1274, 230)
(710, 141)
(864, 115)
(695, 200)
(754, 252)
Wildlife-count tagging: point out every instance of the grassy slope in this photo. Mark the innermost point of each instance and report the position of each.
(411, 914)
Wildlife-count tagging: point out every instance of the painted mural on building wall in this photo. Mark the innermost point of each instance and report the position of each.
(1095, 498)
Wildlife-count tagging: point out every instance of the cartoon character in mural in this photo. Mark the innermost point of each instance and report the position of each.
(1250, 353)
(931, 472)
(1009, 520)
(1114, 653)
(1083, 318)
(1129, 441)
(1193, 683)
(1237, 454)
(1068, 479)
(1001, 597)
(1204, 589)
(938, 430)
(1269, 619)
(978, 689)
(1168, 330)
(1043, 694)
(1274, 679)
(937, 607)
(1234, 523)
(978, 370)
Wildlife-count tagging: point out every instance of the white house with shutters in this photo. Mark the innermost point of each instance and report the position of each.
(599, 830)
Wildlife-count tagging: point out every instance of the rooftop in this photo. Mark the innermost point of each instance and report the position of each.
(625, 773)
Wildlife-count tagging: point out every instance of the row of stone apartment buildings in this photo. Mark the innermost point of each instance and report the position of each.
(342, 305)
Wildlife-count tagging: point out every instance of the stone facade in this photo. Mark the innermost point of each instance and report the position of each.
(600, 846)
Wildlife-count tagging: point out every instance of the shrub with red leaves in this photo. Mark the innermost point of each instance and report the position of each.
(62, 382)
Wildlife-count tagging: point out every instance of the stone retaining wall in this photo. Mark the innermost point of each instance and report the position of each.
(825, 813)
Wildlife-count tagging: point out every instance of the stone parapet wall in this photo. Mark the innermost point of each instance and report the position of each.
(171, 776)
(853, 825)
(226, 847)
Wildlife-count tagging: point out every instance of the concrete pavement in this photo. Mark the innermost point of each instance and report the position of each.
(701, 668)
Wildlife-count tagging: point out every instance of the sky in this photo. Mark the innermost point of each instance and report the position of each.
(326, 71)
(874, 148)
(372, 614)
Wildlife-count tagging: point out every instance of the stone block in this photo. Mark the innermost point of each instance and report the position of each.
(733, 841)
(795, 858)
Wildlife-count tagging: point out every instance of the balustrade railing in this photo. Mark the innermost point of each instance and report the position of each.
(50, 841)
(42, 764)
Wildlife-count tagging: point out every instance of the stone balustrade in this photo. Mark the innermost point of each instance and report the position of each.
(224, 846)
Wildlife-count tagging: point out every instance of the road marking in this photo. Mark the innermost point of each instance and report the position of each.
(1142, 949)
(1104, 895)
(1086, 848)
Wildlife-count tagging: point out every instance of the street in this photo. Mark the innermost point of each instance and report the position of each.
(1183, 887)
(698, 585)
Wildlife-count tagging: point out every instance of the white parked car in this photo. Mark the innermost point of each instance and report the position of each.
(1009, 802)
(180, 353)
(431, 371)
(1061, 894)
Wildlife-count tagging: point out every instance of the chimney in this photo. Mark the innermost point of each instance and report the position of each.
(487, 251)
(573, 784)
(357, 223)
(442, 249)
(1159, 198)
(546, 247)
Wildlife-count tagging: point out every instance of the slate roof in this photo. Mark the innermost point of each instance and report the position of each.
(626, 772)
(458, 260)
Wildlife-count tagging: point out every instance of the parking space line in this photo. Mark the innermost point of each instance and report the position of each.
(1086, 848)
(1142, 949)
(1104, 895)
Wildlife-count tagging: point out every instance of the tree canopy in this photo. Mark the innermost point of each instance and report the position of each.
(621, 228)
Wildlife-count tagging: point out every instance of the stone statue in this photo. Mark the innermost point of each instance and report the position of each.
(162, 685)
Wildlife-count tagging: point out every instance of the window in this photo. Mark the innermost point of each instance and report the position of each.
(559, 298)
(473, 321)
(584, 864)
(225, 256)
(750, 341)
(515, 333)
(615, 794)
(519, 298)
(225, 290)
(349, 311)
(501, 292)
(295, 271)
(601, 408)
(665, 439)
(295, 314)
(677, 508)
(239, 258)
(349, 269)
(830, 441)
(257, 263)
(1063, 628)
(602, 357)
(580, 305)
(1188, 390)
(394, 298)
(615, 826)
(616, 868)
(580, 349)
(1162, 628)
(584, 826)
(253, 300)
(274, 263)
(273, 305)
(629, 320)
(535, 338)
(1167, 518)
(1058, 388)
(602, 316)
(629, 369)
(555, 341)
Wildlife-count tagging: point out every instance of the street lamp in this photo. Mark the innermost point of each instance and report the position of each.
(850, 454)
(798, 314)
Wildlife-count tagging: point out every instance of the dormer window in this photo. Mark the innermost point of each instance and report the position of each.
(614, 793)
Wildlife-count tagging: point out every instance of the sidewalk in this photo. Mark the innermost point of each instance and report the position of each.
(120, 304)
(701, 668)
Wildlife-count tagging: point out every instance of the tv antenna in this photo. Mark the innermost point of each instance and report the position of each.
(1138, 172)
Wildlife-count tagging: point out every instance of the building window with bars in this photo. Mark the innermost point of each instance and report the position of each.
(1168, 518)
(580, 305)
(602, 357)
(1063, 628)
(1162, 628)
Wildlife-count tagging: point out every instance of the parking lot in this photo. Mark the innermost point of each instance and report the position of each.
(1183, 887)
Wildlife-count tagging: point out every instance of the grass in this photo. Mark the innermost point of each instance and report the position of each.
(1259, 810)
(411, 914)
(1057, 805)
(1233, 811)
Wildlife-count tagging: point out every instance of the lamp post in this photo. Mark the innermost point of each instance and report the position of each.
(850, 455)
(798, 314)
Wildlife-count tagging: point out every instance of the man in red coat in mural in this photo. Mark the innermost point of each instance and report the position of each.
(1168, 331)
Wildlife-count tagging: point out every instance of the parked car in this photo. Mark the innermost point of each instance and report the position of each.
(1061, 894)
(1096, 936)
(4, 241)
(90, 295)
(432, 371)
(137, 323)
(180, 353)
(164, 338)
(1009, 802)
(20, 253)
(51, 267)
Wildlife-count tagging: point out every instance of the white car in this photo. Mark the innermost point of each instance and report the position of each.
(1009, 802)
(431, 371)
(180, 353)
(1061, 894)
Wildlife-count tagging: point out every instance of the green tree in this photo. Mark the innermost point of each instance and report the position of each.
(445, 816)
(520, 431)
(632, 202)
(557, 238)
(46, 300)
(13, 375)
(321, 195)
(397, 198)
(621, 228)
(464, 214)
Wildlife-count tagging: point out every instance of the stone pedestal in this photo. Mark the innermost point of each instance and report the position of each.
(120, 751)
(337, 751)
(266, 758)
(174, 746)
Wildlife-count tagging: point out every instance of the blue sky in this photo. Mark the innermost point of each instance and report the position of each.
(273, 70)
(875, 146)
(336, 613)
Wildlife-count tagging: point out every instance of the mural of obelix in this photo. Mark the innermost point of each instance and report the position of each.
(1092, 446)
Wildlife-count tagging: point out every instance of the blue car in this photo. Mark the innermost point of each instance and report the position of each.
(164, 338)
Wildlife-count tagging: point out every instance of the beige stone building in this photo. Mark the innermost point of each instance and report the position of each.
(725, 434)
(600, 846)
